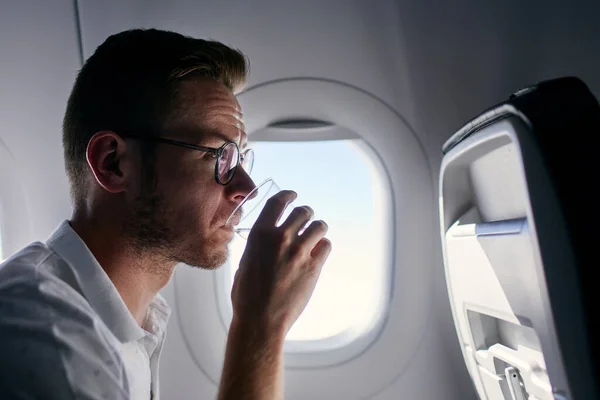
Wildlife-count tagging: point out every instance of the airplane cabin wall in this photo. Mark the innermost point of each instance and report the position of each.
(38, 63)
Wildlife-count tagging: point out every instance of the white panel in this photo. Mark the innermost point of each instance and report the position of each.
(493, 265)
(39, 59)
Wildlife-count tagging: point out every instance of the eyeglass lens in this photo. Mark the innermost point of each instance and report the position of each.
(228, 161)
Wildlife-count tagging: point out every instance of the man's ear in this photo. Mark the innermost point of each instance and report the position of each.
(110, 161)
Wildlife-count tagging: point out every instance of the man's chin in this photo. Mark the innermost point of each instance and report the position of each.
(211, 258)
(204, 252)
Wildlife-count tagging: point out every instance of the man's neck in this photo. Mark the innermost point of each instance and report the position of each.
(137, 277)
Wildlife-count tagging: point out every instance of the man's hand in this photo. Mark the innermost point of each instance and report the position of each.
(279, 269)
(276, 278)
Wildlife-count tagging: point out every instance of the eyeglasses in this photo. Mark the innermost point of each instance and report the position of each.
(228, 156)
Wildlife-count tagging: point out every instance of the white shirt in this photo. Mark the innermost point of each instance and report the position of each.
(65, 332)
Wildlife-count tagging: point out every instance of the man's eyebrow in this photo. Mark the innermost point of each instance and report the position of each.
(219, 139)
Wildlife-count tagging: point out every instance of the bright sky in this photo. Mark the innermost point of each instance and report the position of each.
(340, 183)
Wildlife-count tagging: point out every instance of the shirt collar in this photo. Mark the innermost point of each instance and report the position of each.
(157, 316)
(99, 290)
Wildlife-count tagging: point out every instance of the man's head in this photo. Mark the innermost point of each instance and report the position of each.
(164, 198)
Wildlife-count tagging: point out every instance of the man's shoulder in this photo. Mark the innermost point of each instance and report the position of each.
(49, 333)
(36, 297)
(32, 256)
(36, 258)
(36, 277)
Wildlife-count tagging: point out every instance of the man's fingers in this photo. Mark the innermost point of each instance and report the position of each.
(298, 218)
(321, 251)
(313, 234)
(274, 208)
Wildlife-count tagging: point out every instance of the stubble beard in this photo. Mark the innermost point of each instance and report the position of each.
(151, 231)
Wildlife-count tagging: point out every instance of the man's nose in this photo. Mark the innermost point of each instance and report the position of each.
(240, 186)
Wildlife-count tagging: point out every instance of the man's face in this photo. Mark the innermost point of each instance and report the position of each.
(182, 215)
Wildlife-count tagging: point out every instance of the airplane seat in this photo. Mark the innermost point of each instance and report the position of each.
(519, 228)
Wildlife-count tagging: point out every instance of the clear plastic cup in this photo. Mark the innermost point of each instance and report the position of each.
(246, 213)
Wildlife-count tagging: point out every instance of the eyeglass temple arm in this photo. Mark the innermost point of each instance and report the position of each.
(172, 142)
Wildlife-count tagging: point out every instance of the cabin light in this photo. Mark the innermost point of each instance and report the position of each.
(300, 124)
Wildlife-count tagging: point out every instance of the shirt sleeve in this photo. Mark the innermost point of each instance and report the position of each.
(53, 346)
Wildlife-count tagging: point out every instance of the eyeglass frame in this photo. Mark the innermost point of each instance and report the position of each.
(215, 151)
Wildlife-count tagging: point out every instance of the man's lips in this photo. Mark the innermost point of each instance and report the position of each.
(234, 221)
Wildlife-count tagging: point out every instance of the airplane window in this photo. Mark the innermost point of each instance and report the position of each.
(339, 181)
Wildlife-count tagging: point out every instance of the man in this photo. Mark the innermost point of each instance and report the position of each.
(155, 151)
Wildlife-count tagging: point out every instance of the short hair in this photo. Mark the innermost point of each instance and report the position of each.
(130, 84)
